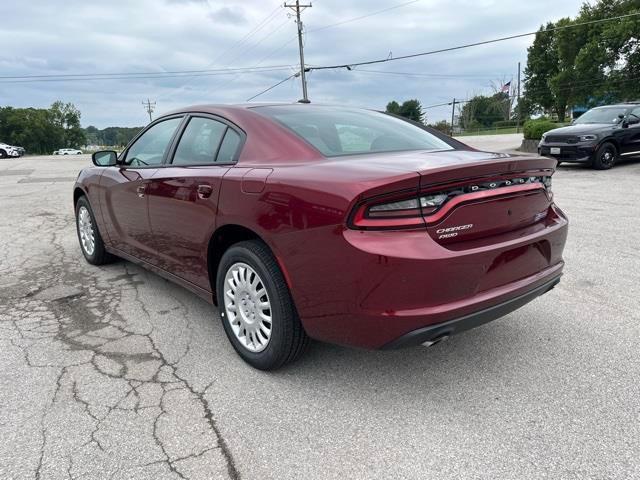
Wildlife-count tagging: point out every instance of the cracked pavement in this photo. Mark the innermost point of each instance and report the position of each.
(115, 373)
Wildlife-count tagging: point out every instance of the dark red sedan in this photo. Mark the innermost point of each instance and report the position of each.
(340, 224)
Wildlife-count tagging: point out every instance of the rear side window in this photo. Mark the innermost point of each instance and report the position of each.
(199, 142)
(229, 147)
(338, 131)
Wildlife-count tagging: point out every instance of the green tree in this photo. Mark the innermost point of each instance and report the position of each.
(411, 109)
(66, 117)
(542, 65)
(482, 111)
(393, 107)
(585, 65)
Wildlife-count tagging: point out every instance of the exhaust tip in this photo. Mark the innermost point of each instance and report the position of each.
(432, 342)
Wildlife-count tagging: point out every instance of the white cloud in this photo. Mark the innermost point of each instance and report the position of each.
(42, 37)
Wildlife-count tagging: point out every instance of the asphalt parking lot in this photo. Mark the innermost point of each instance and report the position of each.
(113, 372)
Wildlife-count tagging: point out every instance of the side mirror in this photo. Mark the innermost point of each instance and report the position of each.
(632, 121)
(104, 158)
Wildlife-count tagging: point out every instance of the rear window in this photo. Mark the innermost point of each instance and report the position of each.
(338, 131)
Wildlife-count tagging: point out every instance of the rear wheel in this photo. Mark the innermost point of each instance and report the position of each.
(91, 242)
(256, 307)
(3, 154)
(605, 157)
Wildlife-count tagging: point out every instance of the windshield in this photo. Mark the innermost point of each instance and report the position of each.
(338, 131)
(602, 115)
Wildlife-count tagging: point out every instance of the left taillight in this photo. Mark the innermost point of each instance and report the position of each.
(396, 213)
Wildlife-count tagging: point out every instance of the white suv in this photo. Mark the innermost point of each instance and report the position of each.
(68, 151)
(10, 151)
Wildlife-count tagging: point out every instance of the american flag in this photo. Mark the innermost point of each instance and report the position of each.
(506, 87)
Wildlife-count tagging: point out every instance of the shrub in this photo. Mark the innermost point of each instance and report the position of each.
(533, 129)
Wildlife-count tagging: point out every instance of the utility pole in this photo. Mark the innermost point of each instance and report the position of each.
(149, 106)
(298, 9)
(519, 107)
(453, 113)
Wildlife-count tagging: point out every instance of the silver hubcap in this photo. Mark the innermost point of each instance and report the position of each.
(607, 157)
(85, 227)
(247, 307)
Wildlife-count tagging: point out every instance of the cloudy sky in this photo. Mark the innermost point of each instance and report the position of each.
(152, 37)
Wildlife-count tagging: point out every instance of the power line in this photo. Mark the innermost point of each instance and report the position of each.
(268, 19)
(220, 86)
(349, 66)
(167, 72)
(425, 75)
(236, 71)
(273, 86)
(265, 21)
(362, 16)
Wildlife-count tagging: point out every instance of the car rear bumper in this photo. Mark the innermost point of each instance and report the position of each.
(434, 333)
(368, 289)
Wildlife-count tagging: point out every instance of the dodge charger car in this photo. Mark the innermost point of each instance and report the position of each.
(599, 138)
(338, 224)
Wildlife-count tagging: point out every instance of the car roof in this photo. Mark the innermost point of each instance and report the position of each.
(226, 107)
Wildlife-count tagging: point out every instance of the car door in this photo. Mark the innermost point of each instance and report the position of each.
(125, 207)
(631, 137)
(183, 196)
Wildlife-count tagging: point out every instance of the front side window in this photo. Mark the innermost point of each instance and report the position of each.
(199, 142)
(338, 131)
(152, 146)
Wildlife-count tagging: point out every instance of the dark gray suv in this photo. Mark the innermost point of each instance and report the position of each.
(598, 138)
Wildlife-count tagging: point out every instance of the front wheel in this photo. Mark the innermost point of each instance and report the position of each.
(605, 157)
(256, 307)
(90, 239)
(3, 154)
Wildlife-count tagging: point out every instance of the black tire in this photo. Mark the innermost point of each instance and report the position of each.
(99, 256)
(288, 339)
(605, 157)
(3, 154)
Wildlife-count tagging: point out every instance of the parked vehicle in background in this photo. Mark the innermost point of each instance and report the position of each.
(10, 151)
(599, 138)
(68, 151)
(340, 224)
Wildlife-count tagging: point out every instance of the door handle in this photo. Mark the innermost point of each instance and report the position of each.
(140, 190)
(204, 191)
